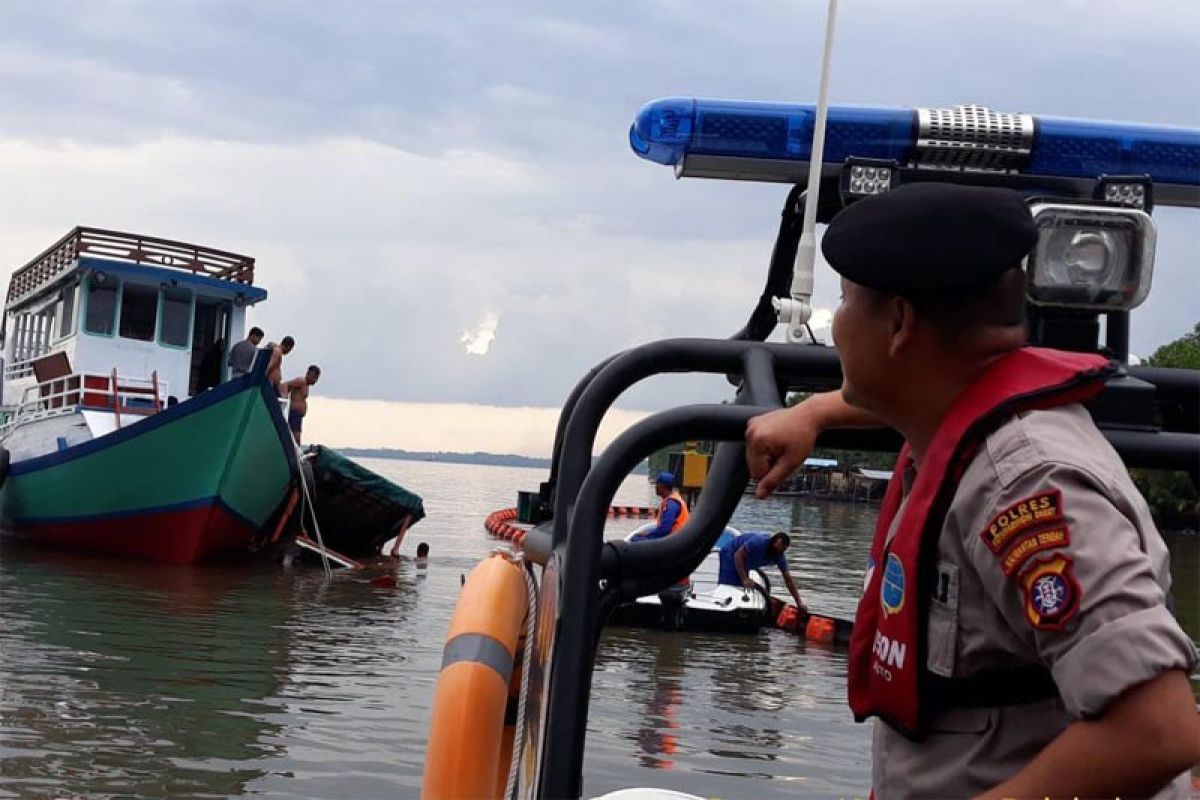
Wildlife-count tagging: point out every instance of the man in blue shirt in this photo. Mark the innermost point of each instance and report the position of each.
(672, 511)
(754, 551)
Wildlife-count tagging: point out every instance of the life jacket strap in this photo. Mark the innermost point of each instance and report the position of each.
(993, 688)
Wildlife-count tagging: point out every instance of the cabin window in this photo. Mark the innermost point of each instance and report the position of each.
(139, 312)
(101, 307)
(176, 317)
(66, 311)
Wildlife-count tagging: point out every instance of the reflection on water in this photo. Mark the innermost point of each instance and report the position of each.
(123, 680)
(120, 679)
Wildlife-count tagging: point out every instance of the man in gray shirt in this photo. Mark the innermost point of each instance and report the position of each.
(241, 356)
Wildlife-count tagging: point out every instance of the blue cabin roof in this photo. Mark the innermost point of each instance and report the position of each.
(200, 284)
(215, 272)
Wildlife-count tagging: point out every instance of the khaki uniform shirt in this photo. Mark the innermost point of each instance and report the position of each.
(1085, 595)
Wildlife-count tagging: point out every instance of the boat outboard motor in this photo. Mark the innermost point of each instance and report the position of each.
(674, 605)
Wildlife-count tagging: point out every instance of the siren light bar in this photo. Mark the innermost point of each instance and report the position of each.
(755, 141)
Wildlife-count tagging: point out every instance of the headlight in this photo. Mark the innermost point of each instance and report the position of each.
(1094, 257)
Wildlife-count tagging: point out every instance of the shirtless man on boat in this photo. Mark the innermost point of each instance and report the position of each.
(275, 365)
(296, 391)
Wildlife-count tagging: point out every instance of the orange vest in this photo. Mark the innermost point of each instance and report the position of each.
(683, 510)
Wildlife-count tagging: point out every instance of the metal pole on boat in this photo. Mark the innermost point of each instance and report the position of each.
(312, 510)
(794, 311)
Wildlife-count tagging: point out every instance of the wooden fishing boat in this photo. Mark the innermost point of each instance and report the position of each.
(120, 433)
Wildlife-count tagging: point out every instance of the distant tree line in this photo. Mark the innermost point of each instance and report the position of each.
(1173, 495)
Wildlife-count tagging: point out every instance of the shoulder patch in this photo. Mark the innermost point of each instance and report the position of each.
(1033, 543)
(1021, 516)
(1051, 593)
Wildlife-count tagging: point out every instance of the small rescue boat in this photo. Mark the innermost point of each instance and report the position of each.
(701, 603)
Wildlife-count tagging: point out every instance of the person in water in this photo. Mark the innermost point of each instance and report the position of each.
(1014, 637)
(275, 365)
(241, 355)
(672, 510)
(750, 551)
(422, 554)
(297, 393)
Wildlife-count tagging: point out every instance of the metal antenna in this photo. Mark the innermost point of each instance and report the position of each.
(794, 312)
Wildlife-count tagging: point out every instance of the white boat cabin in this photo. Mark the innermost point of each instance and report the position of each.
(105, 324)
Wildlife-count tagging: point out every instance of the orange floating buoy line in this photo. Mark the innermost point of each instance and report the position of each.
(813, 627)
(500, 523)
(481, 684)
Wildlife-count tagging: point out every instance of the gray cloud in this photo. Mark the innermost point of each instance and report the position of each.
(402, 171)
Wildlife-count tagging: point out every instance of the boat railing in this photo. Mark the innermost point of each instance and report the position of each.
(69, 394)
(61, 256)
(19, 369)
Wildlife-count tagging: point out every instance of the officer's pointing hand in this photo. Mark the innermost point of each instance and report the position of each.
(777, 443)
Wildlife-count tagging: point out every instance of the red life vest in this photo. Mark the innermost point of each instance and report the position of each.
(887, 677)
(683, 510)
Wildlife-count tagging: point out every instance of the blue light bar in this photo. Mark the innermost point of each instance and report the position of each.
(667, 131)
(1077, 148)
(773, 142)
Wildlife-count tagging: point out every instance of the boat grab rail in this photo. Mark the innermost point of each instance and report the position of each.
(67, 394)
(593, 576)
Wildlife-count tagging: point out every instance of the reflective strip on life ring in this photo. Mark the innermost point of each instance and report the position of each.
(466, 756)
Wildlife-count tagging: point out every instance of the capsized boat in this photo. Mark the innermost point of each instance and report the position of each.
(701, 603)
(119, 430)
(358, 510)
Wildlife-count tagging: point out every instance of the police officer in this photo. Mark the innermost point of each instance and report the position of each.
(1013, 638)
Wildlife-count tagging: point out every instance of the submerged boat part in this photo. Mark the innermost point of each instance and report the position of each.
(358, 510)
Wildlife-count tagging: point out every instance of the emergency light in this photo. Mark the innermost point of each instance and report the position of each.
(1091, 257)
(773, 142)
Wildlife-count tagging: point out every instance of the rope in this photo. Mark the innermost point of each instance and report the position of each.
(514, 769)
(312, 512)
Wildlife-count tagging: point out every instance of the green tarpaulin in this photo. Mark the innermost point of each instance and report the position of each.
(359, 510)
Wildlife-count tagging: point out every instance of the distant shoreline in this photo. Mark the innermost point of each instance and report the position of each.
(478, 458)
(484, 459)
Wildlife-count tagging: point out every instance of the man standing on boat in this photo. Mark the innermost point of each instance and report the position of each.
(275, 365)
(1014, 637)
(296, 391)
(241, 356)
(672, 510)
(751, 551)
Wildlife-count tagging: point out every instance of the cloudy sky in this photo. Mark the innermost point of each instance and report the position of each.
(441, 195)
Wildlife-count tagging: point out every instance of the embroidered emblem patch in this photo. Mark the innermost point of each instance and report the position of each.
(1032, 544)
(1051, 593)
(891, 592)
(1020, 517)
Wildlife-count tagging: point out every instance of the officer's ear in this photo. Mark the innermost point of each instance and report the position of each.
(902, 321)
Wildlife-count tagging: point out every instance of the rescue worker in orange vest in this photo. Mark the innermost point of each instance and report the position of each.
(1014, 637)
(672, 511)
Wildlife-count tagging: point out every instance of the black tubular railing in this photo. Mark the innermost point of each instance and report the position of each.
(593, 576)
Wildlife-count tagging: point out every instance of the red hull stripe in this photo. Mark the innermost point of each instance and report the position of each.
(132, 515)
(182, 536)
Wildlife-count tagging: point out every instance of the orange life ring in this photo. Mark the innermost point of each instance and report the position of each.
(470, 740)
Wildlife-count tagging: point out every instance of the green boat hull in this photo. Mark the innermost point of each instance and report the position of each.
(202, 480)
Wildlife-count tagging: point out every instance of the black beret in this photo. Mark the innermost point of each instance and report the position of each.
(930, 237)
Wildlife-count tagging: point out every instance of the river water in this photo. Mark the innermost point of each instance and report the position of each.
(128, 680)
